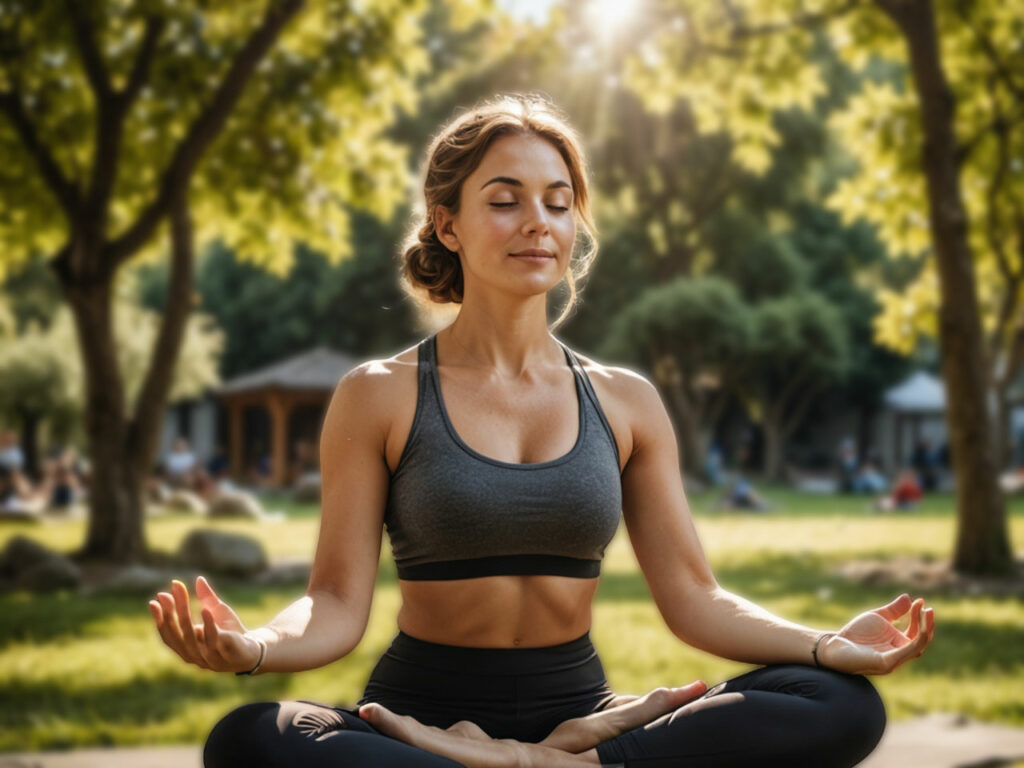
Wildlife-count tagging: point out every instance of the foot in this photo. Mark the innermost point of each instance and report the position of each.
(624, 714)
(464, 741)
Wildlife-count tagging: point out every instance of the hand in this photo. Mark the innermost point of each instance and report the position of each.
(871, 645)
(470, 745)
(220, 643)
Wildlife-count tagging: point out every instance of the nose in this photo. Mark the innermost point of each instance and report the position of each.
(536, 220)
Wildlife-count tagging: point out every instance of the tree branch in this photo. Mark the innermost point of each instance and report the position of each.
(85, 40)
(112, 110)
(143, 61)
(143, 432)
(204, 130)
(65, 192)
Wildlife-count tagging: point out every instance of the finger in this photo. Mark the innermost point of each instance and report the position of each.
(211, 642)
(915, 619)
(171, 633)
(204, 591)
(184, 608)
(894, 609)
(891, 660)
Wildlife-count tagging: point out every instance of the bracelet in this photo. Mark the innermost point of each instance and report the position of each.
(814, 651)
(263, 655)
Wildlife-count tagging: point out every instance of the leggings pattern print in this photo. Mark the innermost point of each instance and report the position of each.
(776, 715)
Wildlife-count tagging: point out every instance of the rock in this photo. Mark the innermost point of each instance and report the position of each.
(50, 575)
(142, 579)
(225, 553)
(286, 572)
(185, 501)
(27, 564)
(307, 488)
(20, 554)
(236, 504)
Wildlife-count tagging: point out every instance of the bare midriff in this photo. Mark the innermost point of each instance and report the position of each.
(497, 611)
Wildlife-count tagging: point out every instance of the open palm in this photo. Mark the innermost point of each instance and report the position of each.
(220, 643)
(871, 645)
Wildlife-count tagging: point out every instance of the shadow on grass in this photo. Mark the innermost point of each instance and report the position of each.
(134, 702)
(959, 648)
(47, 617)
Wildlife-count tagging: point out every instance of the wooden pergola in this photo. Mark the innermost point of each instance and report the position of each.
(307, 379)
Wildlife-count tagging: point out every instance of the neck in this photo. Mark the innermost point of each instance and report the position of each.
(508, 345)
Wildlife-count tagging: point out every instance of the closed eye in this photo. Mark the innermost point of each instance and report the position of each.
(553, 207)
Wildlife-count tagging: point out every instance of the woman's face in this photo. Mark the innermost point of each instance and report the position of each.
(518, 199)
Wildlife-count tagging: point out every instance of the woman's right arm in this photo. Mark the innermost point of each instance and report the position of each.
(328, 622)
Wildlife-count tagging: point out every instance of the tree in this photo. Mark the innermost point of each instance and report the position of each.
(257, 122)
(737, 65)
(694, 333)
(41, 376)
(799, 348)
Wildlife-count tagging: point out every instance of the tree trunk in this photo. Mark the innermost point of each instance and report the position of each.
(123, 449)
(29, 439)
(982, 545)
(115, 524)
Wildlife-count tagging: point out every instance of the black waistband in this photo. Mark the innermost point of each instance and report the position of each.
(501, 565)
(492, 661)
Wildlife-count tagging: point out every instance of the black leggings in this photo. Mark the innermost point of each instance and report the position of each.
(778, 715)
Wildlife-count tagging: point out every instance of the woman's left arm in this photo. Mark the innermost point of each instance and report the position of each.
(694, 606)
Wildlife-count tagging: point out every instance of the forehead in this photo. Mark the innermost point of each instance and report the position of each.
(527, 158)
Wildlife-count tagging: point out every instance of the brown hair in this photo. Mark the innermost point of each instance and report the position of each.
(427, 265)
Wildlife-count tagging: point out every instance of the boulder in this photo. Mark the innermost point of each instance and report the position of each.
(185, 501)
(143, 579)
(236, 504)
(50, 575)
(27, 564)
(224, 553)
(20, 554)
(307, 488)
(285, 572)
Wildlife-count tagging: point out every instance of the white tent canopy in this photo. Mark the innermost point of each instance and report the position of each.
(921, 392)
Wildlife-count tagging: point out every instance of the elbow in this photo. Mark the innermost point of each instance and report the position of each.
(691, 616)
(342, 625)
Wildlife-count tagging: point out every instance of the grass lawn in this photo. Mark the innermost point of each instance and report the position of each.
(77, 671)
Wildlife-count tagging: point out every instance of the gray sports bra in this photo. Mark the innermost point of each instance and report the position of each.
(453, 513)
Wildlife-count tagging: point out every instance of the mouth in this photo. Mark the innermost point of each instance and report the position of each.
(533, 254)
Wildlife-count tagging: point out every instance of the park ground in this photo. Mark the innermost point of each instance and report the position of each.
(90, 671)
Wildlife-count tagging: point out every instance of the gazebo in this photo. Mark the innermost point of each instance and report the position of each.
(918, 403)
(280, 403)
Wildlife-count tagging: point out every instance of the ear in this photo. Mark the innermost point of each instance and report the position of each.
(443, 220)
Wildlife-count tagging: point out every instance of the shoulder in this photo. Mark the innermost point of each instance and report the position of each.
(630, 400)
(365, 396)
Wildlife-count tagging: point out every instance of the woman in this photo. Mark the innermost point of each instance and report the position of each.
(500, 461)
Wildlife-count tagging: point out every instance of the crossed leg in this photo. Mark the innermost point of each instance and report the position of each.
(293, 733)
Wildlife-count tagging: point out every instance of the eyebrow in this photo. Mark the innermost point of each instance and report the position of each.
(518, 183)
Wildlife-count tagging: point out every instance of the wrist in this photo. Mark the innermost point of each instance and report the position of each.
(819, 644)
(261, 660)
